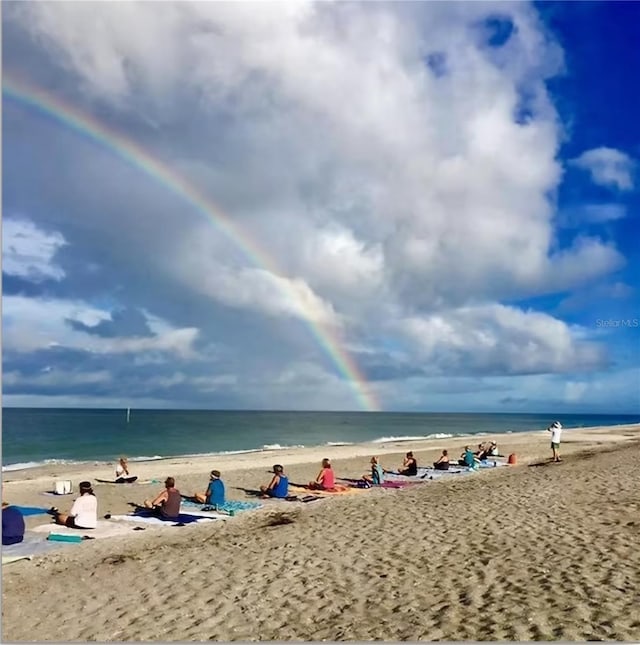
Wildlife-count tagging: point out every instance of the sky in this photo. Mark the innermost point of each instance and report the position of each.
(321, 206)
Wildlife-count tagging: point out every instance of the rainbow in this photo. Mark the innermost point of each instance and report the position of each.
(131, 153)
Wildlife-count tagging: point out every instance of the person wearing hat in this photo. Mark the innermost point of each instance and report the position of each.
(556, 430)
(12, 525)
(278, 486)
(83, 513)
(215, 491)
(167, 503)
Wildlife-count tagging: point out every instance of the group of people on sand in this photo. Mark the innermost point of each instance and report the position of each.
(166, 505)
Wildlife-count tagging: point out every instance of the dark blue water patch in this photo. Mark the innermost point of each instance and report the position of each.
(36, 435)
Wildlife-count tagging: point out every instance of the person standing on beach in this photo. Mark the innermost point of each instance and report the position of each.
(556, 431)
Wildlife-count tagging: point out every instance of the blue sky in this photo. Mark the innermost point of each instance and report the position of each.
(449, 189)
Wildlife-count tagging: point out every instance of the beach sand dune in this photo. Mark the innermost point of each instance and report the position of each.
(527, 553)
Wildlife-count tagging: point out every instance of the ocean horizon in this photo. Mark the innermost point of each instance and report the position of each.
(33, 437)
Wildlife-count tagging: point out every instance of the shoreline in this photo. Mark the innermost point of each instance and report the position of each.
(14, 472)
(191, 473)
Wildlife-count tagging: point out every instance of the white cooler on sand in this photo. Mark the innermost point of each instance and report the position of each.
(63, 487)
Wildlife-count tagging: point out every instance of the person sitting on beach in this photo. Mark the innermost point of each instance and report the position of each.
(443, 461)
(123, 476)
(214, 495)
(326, 479)
(167, 503)
(467, 458)
(12, 525)
(409, 466)
(480, 451)
(83, 513)
(278, 486)
(492, 450)
(377, 473)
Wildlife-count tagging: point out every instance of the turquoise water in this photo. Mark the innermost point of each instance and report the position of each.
(31, 437)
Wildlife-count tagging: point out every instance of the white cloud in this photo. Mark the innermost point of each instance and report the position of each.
(28, 251)
(578, 216)
(608, 167)
(385, 199)
(496, 339)
(30, 324)
(55, 377)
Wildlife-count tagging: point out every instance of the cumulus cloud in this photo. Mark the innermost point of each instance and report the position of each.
(32, 324)
(29, 252)
(384, 171)
(496, 339)
(607, 167)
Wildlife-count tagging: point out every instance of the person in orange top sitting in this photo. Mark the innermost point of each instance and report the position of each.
(326, 479)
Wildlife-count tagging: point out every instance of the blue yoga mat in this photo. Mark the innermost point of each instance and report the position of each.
(183, 518)
(32, 510)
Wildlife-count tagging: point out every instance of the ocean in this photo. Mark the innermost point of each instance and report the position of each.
(33, 437)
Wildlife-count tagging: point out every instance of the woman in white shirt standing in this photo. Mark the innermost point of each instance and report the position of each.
(83, 513)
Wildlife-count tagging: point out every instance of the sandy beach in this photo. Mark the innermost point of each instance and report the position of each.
(536, 551)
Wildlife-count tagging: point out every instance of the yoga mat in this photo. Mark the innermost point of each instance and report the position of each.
(104, 529)
(8, 559)
(31, 510)
(229, 505)
(339, 490)
(385, 484)
(32, 545)
(156, 521)
(59, 537)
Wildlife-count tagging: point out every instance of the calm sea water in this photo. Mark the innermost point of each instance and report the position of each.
(31, 437)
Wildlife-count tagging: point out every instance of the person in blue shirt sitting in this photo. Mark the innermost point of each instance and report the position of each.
(376, 478)
(12, 525)
(467, 458)
(278, 486)
(215, 491)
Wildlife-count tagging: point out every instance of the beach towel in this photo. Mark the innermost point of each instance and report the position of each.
(104, 529)
(236, 506)
(8, 559)
(183, 518)
(33, 545)
(53, 493)
(385, 484)
(492, 463)
(135, 480)
(32, 510)
(337, 490)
